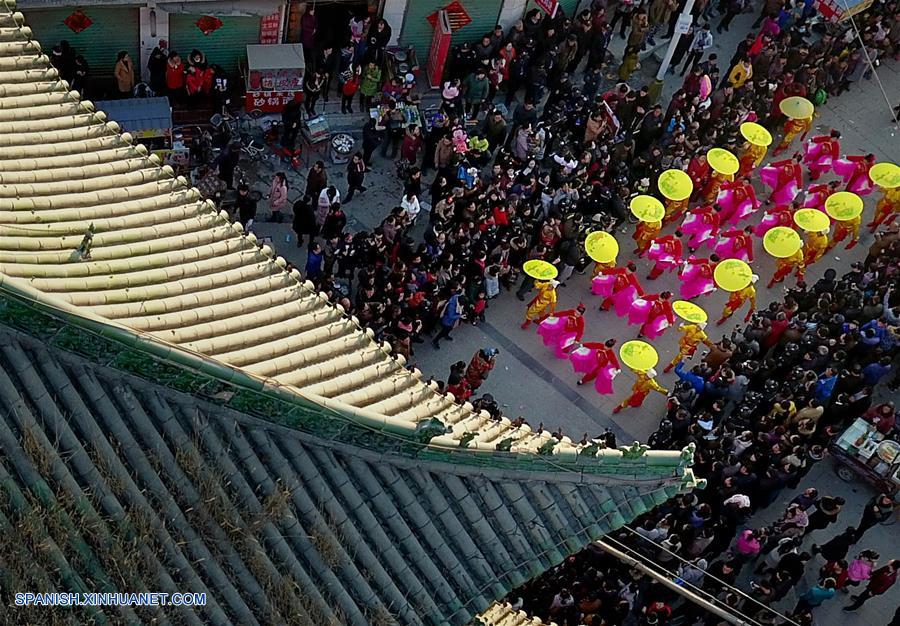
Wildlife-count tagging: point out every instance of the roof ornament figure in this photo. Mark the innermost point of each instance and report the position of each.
(84, 248)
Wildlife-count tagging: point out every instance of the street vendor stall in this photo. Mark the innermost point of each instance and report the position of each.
(862, 451)
(411, 115)
(149, 120)
(274, 75)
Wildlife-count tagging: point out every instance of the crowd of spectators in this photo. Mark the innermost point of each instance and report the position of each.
(562, 156)
(529, 184)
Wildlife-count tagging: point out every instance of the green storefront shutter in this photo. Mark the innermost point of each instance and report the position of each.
(417, 31)
(226, 46)
(568, 6)
(113, 29)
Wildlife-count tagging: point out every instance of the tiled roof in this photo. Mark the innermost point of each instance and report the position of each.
(109, 482)
(166, 263)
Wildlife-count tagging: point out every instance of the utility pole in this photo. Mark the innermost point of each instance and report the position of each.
(681, 27)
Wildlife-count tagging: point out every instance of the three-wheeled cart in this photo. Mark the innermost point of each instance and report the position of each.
(863, 452)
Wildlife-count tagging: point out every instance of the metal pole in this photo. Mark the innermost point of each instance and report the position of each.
(871, 65)
(690, 595)
(657, 85)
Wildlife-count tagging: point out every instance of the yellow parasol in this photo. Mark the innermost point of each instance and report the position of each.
(782, 242)
(647, 208)
(844, 205)
(540, 270)
(732, 274)
(811, 220)
(601, 246)
(885, 175)
(797, 108)
(723, 161)
(756, 134)
(639, 355)
(675, 185)
(689, 312)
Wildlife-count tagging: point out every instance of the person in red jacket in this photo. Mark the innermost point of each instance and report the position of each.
(880, 581)
(174, 74)
(480, 366)
(699, 171)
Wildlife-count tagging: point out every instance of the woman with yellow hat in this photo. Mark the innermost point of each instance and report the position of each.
(542, 305)
(641, 388)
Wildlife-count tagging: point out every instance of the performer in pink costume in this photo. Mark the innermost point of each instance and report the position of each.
(666, 252)
(654, 313)
(563, 336)
(697, 277)
(855, 172)
(816, 195)
(736, 244)
(821, 152)
(783, 178)
(738, 201)
(623, 291)
(598, 362)
(781, 215)
(702, 224)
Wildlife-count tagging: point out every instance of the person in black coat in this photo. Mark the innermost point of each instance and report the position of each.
(304, 220)
(370, 140)
(837, 548)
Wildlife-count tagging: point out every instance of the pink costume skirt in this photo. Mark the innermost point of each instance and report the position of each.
(664, 260)
(784, 194)
(655, 327)
(694, 284)
(725, 250)
(816, 159)
(604, 381)
(639, 311)
(563, 341)
(624, 299)
(768, 222)
(860, 185)
(699, 232)
(603, 285)
(736, 211)
(583, 359)
(551, 328)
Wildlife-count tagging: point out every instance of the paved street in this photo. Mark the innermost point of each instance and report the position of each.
(531, 382)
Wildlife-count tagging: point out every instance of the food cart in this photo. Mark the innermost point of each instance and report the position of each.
(149, 120)
(273, 77)
(861, 451)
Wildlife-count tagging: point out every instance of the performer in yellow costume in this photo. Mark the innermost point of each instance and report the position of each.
(784, 267)
(842, 228)
(815, 247)
(542, 305)
(752, 156)
(886, 210)
(792, 128)
(692, 335)
(641, 389)
(736, 300)
(711, 190)
(644, 233)
(675, 209)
